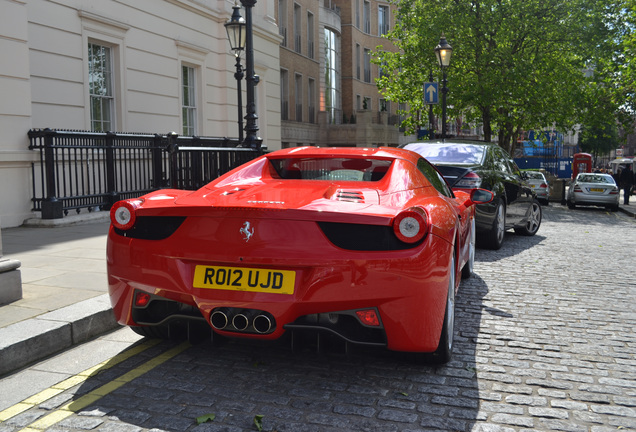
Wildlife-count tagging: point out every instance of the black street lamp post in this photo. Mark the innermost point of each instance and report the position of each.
(236, 35)
(251, 140)
(443, 52)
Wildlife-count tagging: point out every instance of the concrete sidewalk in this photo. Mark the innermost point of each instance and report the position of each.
(64, 288)
(64, 284)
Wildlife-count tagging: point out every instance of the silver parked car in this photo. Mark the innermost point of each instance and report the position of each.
(539, 185)
(593, 189)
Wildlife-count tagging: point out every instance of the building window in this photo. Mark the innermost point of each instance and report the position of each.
(282, 21)
(383, 20)
(366, 103)
(383, 105)
(298, 89)
(366, 17)
(100, 79)
(367, 65)
(358, 102)
(357, 13)
(310, 35)
(188, 101)
(357, 61)
(284, 95)
(311, 100)
(332, 76)
(297, 29)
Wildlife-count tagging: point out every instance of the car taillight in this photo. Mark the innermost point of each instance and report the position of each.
(142, 299)
(577, 188)
(469, 181)
(411, 225)
(122, 214)
(368, 317)
(543, 185)
(614, 191)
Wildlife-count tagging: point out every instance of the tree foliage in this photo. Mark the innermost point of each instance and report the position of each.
(516, 65)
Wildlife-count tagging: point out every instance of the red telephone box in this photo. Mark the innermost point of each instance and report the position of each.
(581, 163)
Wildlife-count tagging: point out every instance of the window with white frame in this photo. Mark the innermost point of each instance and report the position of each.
(101, 87)
(188, 101)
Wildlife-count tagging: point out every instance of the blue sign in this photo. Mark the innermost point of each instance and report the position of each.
(430, 93)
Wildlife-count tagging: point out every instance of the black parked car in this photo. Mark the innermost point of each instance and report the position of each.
(474, 164)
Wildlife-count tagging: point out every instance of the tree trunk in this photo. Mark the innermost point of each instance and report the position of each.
(486, 119)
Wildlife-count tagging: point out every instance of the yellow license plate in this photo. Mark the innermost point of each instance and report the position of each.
(597, 190)
(244, 279)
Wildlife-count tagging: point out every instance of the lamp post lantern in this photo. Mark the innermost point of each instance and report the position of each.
(443, 52)
(236, 33)
(251, 127)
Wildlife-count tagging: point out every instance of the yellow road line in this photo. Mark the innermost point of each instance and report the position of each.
(68, 383)
(72, 407)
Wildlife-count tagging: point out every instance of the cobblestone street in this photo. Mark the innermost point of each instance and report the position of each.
(545, 341)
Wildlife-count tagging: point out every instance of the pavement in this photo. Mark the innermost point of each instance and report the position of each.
(64, 286)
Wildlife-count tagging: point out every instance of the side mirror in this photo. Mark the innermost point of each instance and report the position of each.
(481, 196)
(477, 196)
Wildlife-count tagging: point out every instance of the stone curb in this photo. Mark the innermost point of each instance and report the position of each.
(29, 341)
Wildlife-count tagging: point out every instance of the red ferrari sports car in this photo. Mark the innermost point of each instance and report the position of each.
(366, 244)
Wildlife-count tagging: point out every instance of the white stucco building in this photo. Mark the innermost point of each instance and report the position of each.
(126, 66)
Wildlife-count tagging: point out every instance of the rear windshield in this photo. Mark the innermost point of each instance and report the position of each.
(595, 178)
(339, 169)
(534, 175)
(456, 153)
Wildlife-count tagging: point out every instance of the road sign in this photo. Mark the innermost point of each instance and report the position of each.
(430, 93)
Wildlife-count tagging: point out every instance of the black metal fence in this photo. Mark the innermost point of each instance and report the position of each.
(88, 170)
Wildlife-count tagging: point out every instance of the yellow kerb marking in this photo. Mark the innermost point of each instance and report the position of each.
(90, 398)
(68, 383)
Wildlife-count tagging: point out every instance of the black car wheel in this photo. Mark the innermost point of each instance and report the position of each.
(493, 238)
(534, 220)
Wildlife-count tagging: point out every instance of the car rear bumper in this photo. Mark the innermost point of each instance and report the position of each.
(588, 199)
(408, 288)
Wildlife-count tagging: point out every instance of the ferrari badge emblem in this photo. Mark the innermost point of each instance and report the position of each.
(247, 231)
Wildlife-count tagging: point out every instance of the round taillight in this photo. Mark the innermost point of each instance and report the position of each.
(411, 225)
(122, 214)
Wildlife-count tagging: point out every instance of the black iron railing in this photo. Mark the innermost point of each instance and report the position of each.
(89, 170)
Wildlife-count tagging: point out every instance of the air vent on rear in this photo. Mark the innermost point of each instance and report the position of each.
(350, 196)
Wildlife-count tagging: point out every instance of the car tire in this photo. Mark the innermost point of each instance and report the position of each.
(445, 348)
(494, 238)
(534, 220)
(467, 270)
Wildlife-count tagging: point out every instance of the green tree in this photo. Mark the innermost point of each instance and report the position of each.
(599, 140)
(516, 65)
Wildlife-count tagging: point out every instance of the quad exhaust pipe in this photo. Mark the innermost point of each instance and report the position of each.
(242, 320)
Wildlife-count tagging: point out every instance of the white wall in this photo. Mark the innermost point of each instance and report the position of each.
(45, 83)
